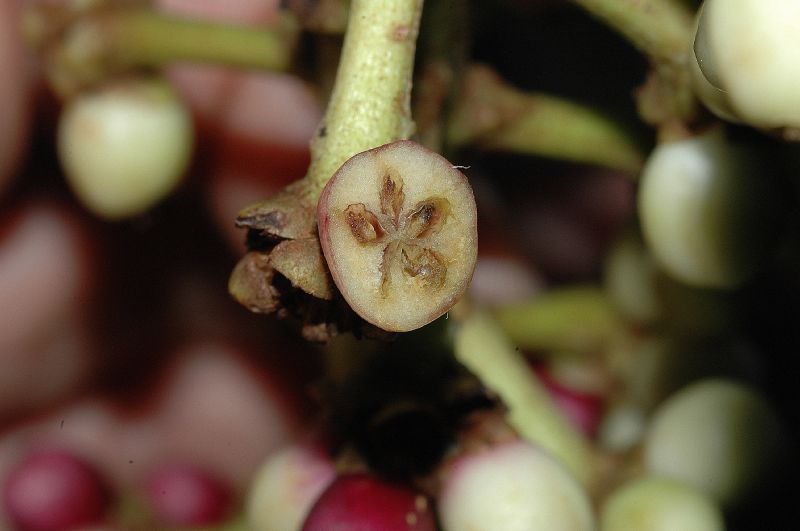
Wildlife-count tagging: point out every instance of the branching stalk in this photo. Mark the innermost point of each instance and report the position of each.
(574, 319)
(487, 352)
(147, 37)
(111, 41)
(493, 115)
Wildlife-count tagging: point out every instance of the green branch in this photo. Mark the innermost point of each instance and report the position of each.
(576, 319)
(107, 42)
(143, 37)
(493, 115)
(482, 347)
(370, 103)
(661, 29)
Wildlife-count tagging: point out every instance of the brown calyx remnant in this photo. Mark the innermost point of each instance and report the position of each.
(403, 237)
(289, 214)
(284, 273)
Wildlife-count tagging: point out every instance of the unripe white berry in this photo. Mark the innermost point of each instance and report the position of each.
(708, 210)
(717, 435)
(660, 504)
(125, 146)
(514, 487)
(747, 50)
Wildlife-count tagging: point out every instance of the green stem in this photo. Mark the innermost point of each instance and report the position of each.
(143, 37)
(484, 349)
(576, 319)
(370, 103)
(109, 42)
(493, 115)
(661, 29)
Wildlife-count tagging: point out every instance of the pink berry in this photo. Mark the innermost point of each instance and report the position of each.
(53, 491)
(184, 495)
(362, 502)
(584, 410)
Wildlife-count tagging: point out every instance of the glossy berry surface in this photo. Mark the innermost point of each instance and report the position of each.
(184, 495)
(361, 502)
(53, 491)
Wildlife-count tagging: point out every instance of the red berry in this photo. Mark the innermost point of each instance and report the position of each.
(184, 495)
(361, 502)
(584, 410)
(53, 491)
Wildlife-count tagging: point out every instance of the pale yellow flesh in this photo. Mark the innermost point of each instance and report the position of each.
(407, 303)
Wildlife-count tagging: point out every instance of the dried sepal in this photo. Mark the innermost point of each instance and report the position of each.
(302, 263)
(286, 215)
(291, 282)
(250, 283)
(398, 227)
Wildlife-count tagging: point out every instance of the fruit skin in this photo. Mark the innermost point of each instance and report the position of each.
(185, 495)
(718, 435)
(446, 237)
(286, 486)
(125, 146)
(52, 490)
(512, 487)
(659, 504)
(584, 410)
(747, 50)
(709, 210)
(362, 502)
(714, 98)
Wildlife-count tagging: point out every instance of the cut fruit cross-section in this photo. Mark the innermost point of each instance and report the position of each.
(398, 227)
